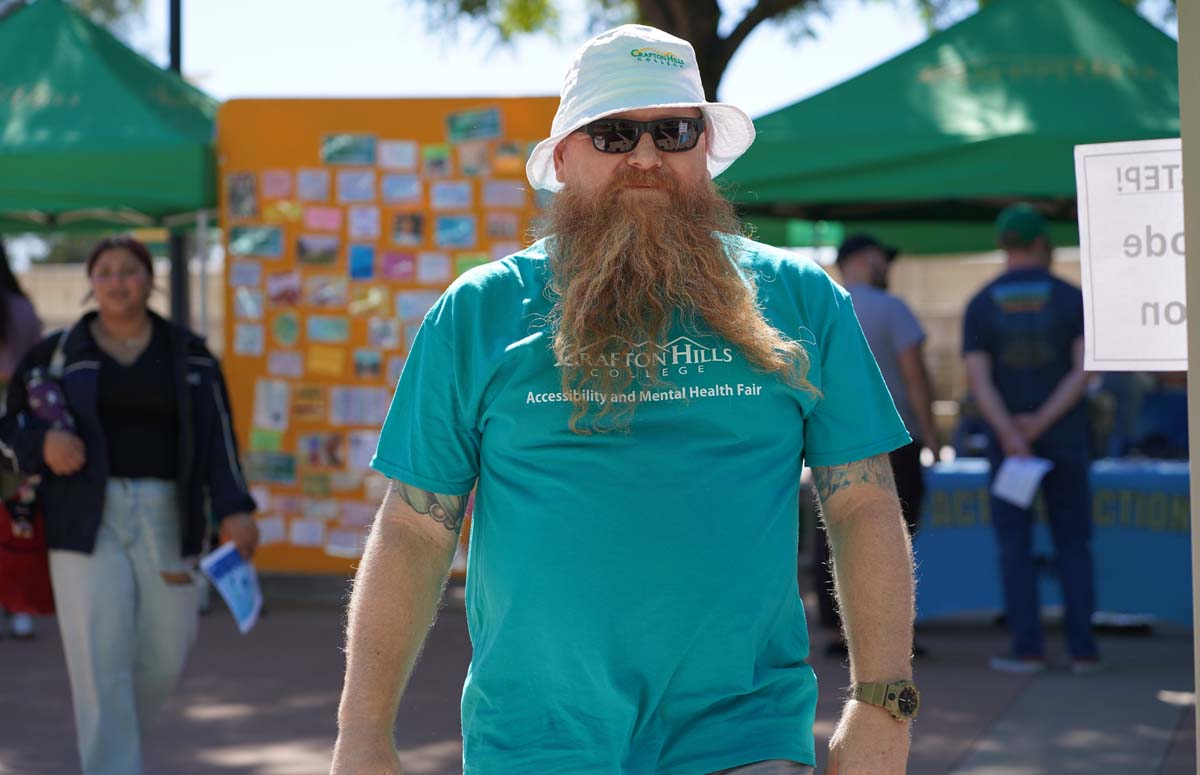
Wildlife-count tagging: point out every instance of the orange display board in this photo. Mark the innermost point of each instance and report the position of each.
(343, 222)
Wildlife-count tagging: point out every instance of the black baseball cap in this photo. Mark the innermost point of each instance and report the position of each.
(857, 242)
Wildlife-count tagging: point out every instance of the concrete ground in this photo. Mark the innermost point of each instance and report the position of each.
(265, 704)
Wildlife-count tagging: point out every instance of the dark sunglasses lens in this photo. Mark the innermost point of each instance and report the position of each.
(677, 134)
(614, 136)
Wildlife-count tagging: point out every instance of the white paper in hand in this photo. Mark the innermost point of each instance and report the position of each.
(237, 582)
(1018, 479)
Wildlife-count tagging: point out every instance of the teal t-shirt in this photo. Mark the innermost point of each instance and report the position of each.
(631, 596)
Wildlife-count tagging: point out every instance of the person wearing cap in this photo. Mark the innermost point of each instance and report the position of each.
(633, 397)
(896, 340)
(125, 418)
(1023, 350)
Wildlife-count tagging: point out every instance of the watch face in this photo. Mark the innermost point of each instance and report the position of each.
(907, 701)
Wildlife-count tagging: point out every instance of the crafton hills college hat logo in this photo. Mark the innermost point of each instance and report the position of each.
(657, 57)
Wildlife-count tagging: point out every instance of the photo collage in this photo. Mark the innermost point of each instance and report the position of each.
(331, 267)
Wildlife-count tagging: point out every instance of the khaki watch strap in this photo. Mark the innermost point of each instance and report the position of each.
(871, 693)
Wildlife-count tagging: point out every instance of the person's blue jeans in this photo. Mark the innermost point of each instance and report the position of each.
(1068, 502)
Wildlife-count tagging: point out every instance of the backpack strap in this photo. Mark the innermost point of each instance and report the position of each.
(58, 360)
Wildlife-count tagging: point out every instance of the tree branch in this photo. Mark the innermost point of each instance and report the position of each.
(761, 12)
(687, 19)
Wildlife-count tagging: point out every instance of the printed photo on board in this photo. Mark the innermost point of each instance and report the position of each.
(317, 249)
(408, 228)
(276, 184)
(368, 364)
(398, 154)
(435, 161)
(243, 201)
(312, 185)
(394, 265)
(348, 149)
(263, 241)
(400, 189)
(326, 290)
(356, 185)
(283, 288)
(473, 159)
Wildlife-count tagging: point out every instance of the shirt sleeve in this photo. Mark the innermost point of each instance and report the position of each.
(905, 330)
(1075, 323)
(855, 417)
(429, 440)
(977, 333)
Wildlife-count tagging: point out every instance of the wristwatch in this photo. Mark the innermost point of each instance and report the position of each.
(899, 698)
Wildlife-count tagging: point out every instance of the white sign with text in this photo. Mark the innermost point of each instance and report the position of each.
(1131, 253)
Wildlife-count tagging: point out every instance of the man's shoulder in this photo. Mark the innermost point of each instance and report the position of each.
(862, 293)
(984, 294)
(499, 275)
(768, 261)
(1065, 286)
(1029, 280)
(491, 290)
(896, 308)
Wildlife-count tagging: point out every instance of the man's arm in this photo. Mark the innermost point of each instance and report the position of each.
(1068, 392)
(873, 580)
(916, 381)
(991, 404)
(396, 594)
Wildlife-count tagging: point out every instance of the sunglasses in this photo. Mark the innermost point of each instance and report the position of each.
(620, 135)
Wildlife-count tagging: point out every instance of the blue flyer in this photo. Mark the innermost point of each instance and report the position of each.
(237, 582)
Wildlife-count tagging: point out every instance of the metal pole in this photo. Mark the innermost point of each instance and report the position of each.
(179, 264)
(201, 245)
(176, 35)
(1189, 114)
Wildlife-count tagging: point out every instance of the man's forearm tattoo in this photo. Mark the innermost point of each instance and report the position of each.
(874, 470)
(450, 510)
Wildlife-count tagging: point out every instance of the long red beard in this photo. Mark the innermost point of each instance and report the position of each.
(626, 264)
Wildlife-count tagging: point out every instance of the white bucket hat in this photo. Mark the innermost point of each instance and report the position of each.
(634, 67)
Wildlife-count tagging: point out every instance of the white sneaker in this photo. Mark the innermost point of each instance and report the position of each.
(21, 626)
(1086, 666)
(1018, 665)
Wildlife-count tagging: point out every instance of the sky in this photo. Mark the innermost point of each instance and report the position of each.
(383, 48)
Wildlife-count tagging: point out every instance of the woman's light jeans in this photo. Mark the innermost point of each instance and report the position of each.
(126, 629)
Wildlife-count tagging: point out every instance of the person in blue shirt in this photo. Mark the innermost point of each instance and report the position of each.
(632, 399)
(897, 341)
(1023, 351)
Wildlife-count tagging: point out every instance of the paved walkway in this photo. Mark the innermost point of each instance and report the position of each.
(266, 704)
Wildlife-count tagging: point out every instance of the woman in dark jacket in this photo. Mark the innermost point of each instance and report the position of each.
(131, 472)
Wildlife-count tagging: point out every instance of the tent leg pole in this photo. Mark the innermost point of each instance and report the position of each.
(202, 254)
(180, 312)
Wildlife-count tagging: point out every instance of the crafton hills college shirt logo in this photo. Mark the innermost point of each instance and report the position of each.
(678, 357)
(682, 355)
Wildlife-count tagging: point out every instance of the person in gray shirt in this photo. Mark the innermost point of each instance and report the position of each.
(896, 339)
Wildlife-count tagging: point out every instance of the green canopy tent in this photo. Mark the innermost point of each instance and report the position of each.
(92, 135)
(926, 148)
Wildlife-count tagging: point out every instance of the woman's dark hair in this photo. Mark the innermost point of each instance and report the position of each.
(8, 285)
(121, 242)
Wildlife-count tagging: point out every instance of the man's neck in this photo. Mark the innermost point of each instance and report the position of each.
(1022, 259)
(854, 278)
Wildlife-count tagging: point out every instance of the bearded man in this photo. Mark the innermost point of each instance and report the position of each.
(633, 398)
